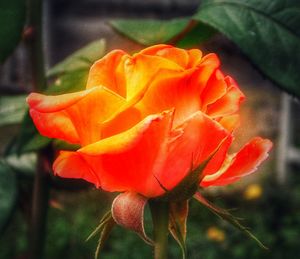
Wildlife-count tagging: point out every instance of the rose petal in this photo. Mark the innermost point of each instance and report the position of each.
(55, 125)
(152, 50)
(229, 103)
(108, 71)
(86, 110)
(184, 58)
(141, 68)
(200, 138)
(195, 56)
(125, 161)
(72, 165)
(204, 71)
(240, 164)
(215, 88)
(184, 99)
(230, 122)
(48, 103)
(217, 160)
(172, 91)
(178, 56)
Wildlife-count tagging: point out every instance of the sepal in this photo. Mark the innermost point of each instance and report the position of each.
(106, 217)
(104, 235)
(225, 215)
(105, 227)
(178, 213)
(185, 189)
(128, 211)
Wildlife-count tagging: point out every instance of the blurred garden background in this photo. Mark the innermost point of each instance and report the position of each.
(268, 201)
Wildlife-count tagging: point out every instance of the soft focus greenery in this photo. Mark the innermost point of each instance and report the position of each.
(12, 19)
(274, 217)
(266, 31)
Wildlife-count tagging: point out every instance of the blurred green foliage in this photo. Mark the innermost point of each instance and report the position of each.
(8, 192)
(274, 217)
(266, 31)
(12, 20)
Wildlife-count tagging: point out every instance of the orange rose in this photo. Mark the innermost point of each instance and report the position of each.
(145, 121)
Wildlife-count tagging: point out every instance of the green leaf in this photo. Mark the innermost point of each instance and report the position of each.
(69, 82)
(81, 59)
(149, 32)
(8, 193)
(28, 140)
(12, 19)
(12, 109)
(199, 34)
(266, 31)
(225, 215)
(24, 164)
(62, 145)
(177, 223)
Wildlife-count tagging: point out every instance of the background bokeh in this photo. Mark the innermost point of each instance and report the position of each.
(268, 201)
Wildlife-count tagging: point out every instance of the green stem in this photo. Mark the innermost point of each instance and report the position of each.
(160, 217)
(34, 40)
(40, 203)
(40, 200)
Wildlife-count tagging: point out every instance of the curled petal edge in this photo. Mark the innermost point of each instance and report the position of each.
(240, 164)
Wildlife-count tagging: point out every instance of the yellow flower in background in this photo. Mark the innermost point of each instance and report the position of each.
(253, 192)
(215, 234)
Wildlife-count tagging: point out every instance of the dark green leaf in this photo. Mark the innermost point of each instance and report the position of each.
(200, 33)
(81, 59)
(8, 193)
(225, 215)
(266, 31)
(12, 109)
(149, 32)
(12, 19)
(36, 142)
(28, 139)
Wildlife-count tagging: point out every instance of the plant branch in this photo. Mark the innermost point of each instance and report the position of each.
(34, 39)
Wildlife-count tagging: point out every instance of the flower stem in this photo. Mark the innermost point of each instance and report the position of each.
(40, 200)
(160, 217)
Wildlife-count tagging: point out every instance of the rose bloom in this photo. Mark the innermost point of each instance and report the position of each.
(145, 121)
